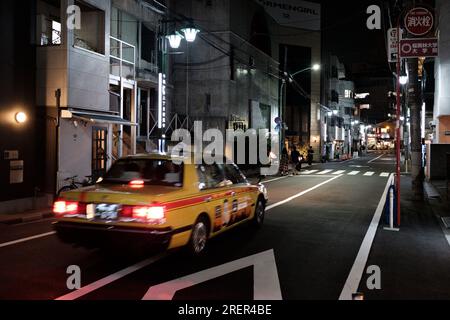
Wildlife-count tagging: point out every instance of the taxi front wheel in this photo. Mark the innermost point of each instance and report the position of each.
(199, 237)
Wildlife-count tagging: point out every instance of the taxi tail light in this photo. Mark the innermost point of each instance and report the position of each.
(61, 208)
(152, 213)
(137, 184)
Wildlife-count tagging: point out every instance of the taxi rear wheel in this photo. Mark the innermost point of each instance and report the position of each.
(199, 237)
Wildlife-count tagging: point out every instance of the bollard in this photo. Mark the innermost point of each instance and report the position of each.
(392, 206)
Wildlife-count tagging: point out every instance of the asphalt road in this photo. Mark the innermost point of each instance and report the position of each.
(315, 226)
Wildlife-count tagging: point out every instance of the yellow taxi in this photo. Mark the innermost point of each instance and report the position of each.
(159, 200)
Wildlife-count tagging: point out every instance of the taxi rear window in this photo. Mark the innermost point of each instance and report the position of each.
(151, 171)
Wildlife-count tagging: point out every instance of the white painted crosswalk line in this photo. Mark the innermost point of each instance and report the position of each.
(325, 172)
(310, 172)
(339, 172)
(354, 173)
(385, 174)
(369, 174)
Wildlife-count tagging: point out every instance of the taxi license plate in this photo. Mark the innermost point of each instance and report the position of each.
(107, 211)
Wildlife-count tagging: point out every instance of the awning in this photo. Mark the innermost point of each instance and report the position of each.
(101, 118)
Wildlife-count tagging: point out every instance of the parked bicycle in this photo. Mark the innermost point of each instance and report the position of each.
(74, 184)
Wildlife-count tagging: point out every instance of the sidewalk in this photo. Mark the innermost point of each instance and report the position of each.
(29, 216)
(415, 262)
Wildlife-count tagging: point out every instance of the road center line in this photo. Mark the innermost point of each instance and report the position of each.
(110, 279)
(373, 160)
(273, 180)
(301, 194)
(11, 243)
(354, 278)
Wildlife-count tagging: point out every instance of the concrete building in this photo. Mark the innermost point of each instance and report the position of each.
(341, 121)
(21, 143)
(442, 68)
(438, 149)
(105, 76)
(231, 77)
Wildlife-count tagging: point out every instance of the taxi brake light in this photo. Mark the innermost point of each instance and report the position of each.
(137, 184)
(65, 207)
(149, 213)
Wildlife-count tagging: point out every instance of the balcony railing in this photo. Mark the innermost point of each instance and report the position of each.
(122, 59)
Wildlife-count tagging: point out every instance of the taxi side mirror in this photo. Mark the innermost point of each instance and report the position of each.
(260, 179)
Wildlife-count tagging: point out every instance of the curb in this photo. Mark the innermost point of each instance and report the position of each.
(26, 218)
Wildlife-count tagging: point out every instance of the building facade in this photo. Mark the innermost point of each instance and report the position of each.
(21, 145)
(232, 77)
(97, 81)
(340, 121)
(441, 121)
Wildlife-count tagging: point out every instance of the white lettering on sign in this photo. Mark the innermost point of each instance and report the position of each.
(294, 13)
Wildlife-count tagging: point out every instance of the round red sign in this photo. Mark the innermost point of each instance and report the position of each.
(419, 21)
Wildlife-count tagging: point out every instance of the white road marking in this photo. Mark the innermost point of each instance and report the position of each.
(301, 194)
(339, 172)
(385, 174)
(369, 174)
(373, 160)
(11, 243)
(266, 285)
(354, 278)
(110, 279)
(273, 180)
(310, 172)
(325, 172)
(354, 173)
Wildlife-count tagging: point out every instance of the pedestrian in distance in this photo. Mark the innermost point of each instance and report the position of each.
(310, 155)
(296, 162)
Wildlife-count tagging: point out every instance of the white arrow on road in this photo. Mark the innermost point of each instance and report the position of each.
(266, 282)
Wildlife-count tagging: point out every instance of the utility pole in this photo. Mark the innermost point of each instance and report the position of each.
(415, 104)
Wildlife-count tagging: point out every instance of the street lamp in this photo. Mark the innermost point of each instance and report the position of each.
(190, 33)
(404, 80)
(175, 40)
(315, 67)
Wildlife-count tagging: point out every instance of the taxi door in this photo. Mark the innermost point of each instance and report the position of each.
(218, 192)
(240, 193)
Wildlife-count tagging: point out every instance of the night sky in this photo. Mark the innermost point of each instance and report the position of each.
(347, 36)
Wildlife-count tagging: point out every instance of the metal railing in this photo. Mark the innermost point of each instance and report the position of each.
(122, 59)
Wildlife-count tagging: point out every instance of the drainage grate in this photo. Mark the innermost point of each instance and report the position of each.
(446, 222)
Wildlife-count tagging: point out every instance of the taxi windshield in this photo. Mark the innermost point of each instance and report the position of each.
(151, 171)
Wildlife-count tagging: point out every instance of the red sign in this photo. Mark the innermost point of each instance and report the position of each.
(415, 48)
(419, 21)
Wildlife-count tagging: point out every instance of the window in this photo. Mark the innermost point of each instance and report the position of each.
(233, 174)
(152, 172)
(334, 96)
(348, 94)
(211, 176)
(91, 36)
(99, 152)
(48, 24)
(148, 45)
(143, 113)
